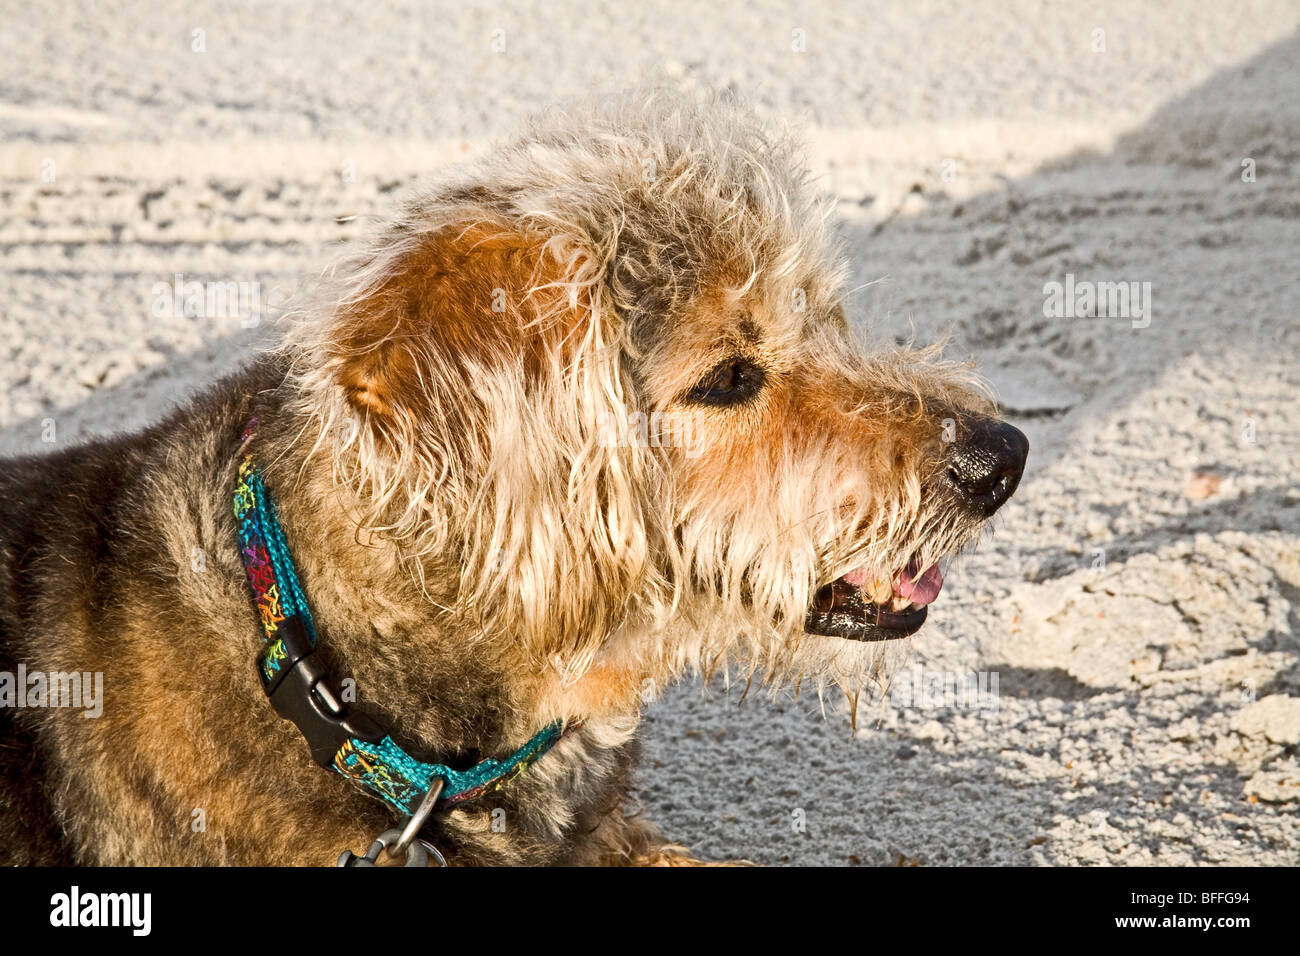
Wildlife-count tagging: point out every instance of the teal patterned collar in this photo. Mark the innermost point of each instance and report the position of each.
(300, 689)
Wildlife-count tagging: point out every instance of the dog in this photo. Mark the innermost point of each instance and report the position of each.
(586, 417)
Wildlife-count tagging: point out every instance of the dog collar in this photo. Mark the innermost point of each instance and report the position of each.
(300, 689)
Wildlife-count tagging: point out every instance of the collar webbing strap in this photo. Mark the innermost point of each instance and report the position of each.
(299, 688)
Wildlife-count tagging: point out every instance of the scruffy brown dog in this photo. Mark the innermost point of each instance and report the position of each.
(586, 417)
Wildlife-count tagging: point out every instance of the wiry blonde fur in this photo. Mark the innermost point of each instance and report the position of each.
(642, 206)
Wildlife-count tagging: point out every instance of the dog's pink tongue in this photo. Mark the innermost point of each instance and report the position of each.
(919, 590)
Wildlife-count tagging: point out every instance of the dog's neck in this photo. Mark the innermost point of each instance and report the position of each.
(399, 631)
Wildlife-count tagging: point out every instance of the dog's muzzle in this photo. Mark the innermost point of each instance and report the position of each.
(981, 471)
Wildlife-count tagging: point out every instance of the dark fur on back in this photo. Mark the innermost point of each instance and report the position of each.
(99, 574)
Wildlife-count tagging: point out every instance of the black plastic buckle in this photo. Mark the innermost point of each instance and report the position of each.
(301, 693)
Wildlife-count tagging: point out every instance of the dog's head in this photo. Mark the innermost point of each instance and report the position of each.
(599, 388)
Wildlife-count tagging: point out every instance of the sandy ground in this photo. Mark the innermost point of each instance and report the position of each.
(1140, 599)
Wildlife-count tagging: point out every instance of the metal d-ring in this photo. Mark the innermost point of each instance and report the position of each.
(433, 854)
(416, 854)
(418, 818)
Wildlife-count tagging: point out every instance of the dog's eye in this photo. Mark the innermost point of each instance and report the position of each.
(732, 382)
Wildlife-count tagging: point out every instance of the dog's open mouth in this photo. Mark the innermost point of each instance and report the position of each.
(863, 607)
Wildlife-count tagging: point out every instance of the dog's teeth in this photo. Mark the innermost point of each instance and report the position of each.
(882, 589)
(899, 604)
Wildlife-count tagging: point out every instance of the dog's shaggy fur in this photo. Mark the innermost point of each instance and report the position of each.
(485, 547)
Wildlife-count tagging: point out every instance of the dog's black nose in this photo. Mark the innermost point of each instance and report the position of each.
(985, 465)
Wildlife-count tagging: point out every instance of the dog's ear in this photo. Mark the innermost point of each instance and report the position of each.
(449, 304)
(482, 364)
